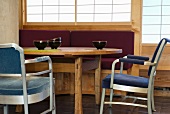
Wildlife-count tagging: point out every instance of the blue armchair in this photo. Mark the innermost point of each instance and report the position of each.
(19, 87)
(136, 84)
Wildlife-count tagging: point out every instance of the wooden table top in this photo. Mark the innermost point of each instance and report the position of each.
(71, 51)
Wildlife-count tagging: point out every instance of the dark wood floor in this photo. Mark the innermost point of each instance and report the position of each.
(65, 105)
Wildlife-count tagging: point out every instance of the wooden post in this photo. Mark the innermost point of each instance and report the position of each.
(98, 80)
(78, 86)
(137, 28)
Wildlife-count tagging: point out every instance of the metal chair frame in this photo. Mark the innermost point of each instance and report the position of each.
(32, 98)
(149, 91)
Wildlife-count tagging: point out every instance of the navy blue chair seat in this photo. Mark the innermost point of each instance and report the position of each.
(15, 87)
(124, 79)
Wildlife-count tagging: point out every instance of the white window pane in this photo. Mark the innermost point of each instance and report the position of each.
(85, 17)
(152, 10)
(151, 29)
(165, 29)
(67, 9)
(50, 18)
(103, 9)
(85, 2)
(165, 36)
(34, 10)
(85, 9)
(67, 2)
(151, 20)
(50, 2)
(34, 18)
(102, 17)
(103, 1)
(50, 9)
(34, 2)
(66, 18)
(165, 10)
(150, 38)
(165, 19)
(121, 1)
(166, 2)
(121, 8)
(123, 17)
(151, 2)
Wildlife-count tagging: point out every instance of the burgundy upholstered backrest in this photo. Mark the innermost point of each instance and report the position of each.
(115, 39)
(26, 37)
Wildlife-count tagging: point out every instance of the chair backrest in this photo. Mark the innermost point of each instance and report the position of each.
(157, 54)
(10, 59)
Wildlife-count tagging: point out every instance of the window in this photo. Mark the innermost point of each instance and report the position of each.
(78, 10)
(50, 10)
(155, 22)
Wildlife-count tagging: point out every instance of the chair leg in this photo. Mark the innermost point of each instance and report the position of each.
(5, 109)
(111, 97)
(102, 100)
(153, 103)
(25, 108)
(54, 105)
(149, 103)
(110, 110)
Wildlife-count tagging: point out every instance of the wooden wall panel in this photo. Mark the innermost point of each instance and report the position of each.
(65, 83)
(164, 63)
(162, 82)
(162, 79)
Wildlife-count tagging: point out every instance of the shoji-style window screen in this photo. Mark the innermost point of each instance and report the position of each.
(156, 24)
(78, 10)
(50, 10)
(103, 10)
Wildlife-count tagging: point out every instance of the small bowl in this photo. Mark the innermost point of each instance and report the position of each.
(56, 39)
(54, 44)
(40, 44)
(99, 44)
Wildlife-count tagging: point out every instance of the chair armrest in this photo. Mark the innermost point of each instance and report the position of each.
(136, 61)
(39, 73)
(37, 59)
(138, 57)
(40, 59)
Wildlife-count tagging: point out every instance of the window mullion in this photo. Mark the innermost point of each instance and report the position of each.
(94, 12)
(58, 10)
(42, 10)
(75, 12)
(161, 21)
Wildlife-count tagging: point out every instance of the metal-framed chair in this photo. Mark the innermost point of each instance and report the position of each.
(18, 87)
(130, 83)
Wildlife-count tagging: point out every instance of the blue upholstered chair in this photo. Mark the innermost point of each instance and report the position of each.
(129, 83)
(19, 87)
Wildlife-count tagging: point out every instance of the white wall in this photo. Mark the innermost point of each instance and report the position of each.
(9, 21)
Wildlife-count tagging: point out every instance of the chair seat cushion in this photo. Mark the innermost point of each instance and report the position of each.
(13, 85)
(124, 79)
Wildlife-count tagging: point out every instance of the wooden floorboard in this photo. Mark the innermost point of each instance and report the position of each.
(65, 105)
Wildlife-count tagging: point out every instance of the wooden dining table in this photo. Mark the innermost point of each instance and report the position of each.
(78, 53)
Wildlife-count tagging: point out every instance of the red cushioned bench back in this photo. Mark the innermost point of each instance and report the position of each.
(115, 39)
(26, 37)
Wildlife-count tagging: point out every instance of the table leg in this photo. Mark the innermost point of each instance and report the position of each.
(98, 80)
(78, 86)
